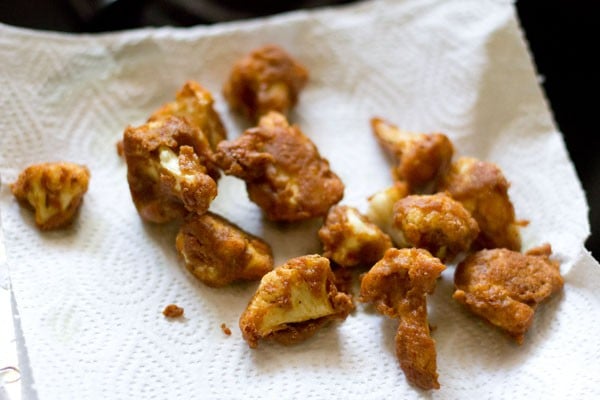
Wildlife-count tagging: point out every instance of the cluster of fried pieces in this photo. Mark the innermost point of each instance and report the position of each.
(436, 211)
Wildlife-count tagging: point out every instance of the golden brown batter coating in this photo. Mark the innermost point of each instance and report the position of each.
(504, 287)
(436, 223)
(218, 252)
(173, 311)
(344, 279)
(293, 301)
(350, 239)
(267, 79)
(422, 158)
(284, 172)
(170, 169)
(482, 188)
(195, 104)
(120, 150)
(53, 190)
(381, 209)
(397, 286)
(225, 329)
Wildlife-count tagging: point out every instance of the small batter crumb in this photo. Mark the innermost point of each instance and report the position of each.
(173, 311)
(120, 148)
(225, 329)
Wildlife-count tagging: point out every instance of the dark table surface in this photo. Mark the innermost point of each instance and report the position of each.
(559, 33)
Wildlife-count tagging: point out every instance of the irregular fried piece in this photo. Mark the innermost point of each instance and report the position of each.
(482, 188)
(381, 209)
(436, 223)
(350, 239)
(120, 150)
(169, 169)
(195, 104)
(53, 190)
(267, 79)
(422, 158)
(173, 311)
(293, 301)
(504, 287)
(218, 252)
(397, 286)
(225, 329)
(284, 172)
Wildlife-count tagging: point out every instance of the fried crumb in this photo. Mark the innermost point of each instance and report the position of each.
(173, 311)
(225, 329)
(120, 148)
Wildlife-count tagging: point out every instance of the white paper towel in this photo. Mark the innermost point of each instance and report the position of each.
(90, 298)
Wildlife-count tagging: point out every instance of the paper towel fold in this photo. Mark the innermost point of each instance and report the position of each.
(90, 297)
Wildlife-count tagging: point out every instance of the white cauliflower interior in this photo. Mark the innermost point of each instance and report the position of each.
(381, 211)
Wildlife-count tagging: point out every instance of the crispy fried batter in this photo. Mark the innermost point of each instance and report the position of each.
(397, 286)
(195, 104)
(120, 150)
(421, 158)
(435, 222)
(267, 79)
(169, 169)
(350, 239)
(173, 311)
(225, 329)
(381, 209)
(482, 188)
(218, 252)
(293, 301)
(53, 190)
(344, 279)
(284, 172)
(504, 287)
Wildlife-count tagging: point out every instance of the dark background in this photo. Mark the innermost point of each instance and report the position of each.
(559, 33)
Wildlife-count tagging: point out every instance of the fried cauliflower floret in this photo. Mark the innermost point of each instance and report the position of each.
(293, 301)
(350, 239)
(284, 172)
(218, 252)
(169, 168)
(381, 209)
(53, 190)
(267, 79)
(195, 104)
(397, 286)
(482, 188)
(504, 287)
(421, 158)
(436, 223)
